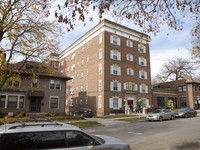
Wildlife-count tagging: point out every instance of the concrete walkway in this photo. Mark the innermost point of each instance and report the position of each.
(108, 121)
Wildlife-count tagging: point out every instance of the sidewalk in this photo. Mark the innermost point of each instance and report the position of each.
(109, 121)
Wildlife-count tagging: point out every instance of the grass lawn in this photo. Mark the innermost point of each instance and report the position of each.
(116, 116)
(85, 123)
(133, 119)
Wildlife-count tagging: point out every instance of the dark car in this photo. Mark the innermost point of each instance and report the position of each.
(186, 112)
(85, 112)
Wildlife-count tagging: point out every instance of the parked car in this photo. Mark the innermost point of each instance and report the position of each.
(85, 112)
(54, 135)
(161, 114)
(186, 112)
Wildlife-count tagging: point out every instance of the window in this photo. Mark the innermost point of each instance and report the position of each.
(87, 59)
(88, 45)
(86, 100)
(125, 86)
(62, 63)
(100, 53)
(115, 55)
(182, 88)
(86, 86)
(130, 71)
(100, 85)
(99, 102)
(142, 75)
(115, 86)
(82, 49)
(72, 80)
(2, 101)
(115, 103)
(143, 88)
(78, 139)
(142, 61)
(81, 74)
(134, 86)
(73, 67)
(130, 86)
(114, 40)
(71, 91)
(73, 56)
(141, 48)
(14, 83)
(71, 102)
(35, 83)
(129, 43)
(53, 102)
(82, 62)
(77, 64)
(100, 69)
(87, 72)
(183, 102)
(81, 102)
(129, 57)
(160, 101)
(100, 38)
(81, 88)
(115, 70)
(55, 84)
(12, 101)
(21, 102)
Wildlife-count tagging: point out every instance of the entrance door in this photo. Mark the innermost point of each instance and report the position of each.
(130, 104)
(35, 104)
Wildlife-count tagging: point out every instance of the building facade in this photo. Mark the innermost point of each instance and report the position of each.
(177, 94)
(110, 67)
(36, 89)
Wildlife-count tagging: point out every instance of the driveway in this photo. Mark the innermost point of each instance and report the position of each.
(178, 134)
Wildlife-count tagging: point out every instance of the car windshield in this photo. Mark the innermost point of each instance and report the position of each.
(98, 139)
(181, 110)
(157, 111)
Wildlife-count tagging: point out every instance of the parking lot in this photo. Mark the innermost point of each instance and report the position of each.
(178, 134)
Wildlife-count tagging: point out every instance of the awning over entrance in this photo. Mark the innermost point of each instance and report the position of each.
(35, 93)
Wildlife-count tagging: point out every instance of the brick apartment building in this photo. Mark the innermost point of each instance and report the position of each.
(179, 94)
(110, 67)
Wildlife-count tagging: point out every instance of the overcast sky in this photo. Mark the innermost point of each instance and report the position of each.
(167, 45)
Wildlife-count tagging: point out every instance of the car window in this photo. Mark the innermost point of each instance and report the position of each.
(55, 139)
(78, 139)
(34, 140)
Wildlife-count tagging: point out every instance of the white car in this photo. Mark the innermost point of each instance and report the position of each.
(161, 114)
(56, 136)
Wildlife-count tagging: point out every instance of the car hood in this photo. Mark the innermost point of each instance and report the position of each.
(116, 143)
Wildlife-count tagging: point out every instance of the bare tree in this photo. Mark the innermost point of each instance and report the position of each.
(147, 14)
(177, 69)
(25, 34)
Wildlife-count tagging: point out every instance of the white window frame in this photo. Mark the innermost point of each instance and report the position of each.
(142, 61)
(71, 102)
(129, 43)
(114, 40)
(115, 55)
(113, 86)
(115, 70)
(100, 69)
(50, 98)
(87, 59)
(100, 85)
(86, 86)
(129, 57)
(81, 74)
(100, 53)
(100, 39)
(143, 88)
(73, 56)
(81, 88)
(99, 102)
(73, 67)
(130, 71)
(142, 74)
(86, 72)
(141, 48)
(119, 102)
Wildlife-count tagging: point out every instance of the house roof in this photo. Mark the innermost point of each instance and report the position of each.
(37, 68)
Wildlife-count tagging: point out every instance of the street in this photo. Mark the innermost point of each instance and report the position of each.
(178, 134)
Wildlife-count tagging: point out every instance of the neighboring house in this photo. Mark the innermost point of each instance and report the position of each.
(38, 89)
(53, 61)
(110, 67)
(177, 94)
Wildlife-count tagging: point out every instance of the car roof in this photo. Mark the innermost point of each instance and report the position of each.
(36, 127)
